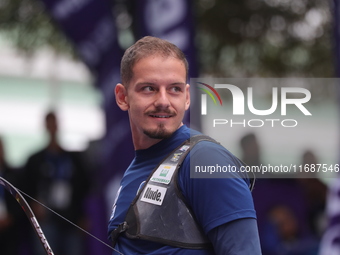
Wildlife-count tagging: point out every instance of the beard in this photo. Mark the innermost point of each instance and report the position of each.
(159, 133)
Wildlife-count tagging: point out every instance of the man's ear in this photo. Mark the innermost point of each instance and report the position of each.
(187, 99)
(121, 97)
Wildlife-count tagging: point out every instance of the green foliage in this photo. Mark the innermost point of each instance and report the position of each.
(235, 38)
(27, 25)
(265, 38)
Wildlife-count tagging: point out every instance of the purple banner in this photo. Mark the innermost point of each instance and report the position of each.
(171, 20)
(89, 25)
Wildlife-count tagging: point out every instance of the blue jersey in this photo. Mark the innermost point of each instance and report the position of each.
(214, 201)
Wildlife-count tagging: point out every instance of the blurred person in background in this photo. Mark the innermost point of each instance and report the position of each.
(284, 236)
(57, 178)
(251, 154)
(283, 206)
(10, 212)
(315, 193)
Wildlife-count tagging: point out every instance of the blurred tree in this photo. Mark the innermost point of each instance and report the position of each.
(262, 38)
(28, 26)
(265, 38)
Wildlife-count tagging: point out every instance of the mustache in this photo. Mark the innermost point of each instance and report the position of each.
(159, 111)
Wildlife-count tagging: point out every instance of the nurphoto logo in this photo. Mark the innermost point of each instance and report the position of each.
(204, 97)
(243, 104)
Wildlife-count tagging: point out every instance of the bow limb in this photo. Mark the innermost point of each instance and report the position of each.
(16, 193)
(29, 213)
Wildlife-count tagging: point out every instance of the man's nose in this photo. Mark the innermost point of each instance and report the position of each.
(162, 99)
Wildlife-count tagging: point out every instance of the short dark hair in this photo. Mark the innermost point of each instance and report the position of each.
(50, 114)
(146, 47)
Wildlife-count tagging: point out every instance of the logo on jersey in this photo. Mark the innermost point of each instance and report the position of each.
(163, 174)
(153, 194)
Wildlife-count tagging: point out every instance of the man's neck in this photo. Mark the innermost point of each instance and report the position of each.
(142, 143)
(53, 145)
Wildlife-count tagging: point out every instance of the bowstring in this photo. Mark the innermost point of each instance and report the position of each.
(67, 220)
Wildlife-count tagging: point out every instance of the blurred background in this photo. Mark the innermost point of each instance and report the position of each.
(59, 63)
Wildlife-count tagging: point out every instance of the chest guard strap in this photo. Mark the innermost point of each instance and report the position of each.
(159, 212)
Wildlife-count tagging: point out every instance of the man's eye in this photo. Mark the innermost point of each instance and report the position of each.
(148, 88)
(176, 89)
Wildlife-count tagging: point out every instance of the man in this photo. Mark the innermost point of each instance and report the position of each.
(155, 94)
(58, 179)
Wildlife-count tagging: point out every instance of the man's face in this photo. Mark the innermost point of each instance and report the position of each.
(51, 125)
(156, 97)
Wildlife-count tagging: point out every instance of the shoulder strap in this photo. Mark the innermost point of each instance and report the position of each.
(153, 214)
